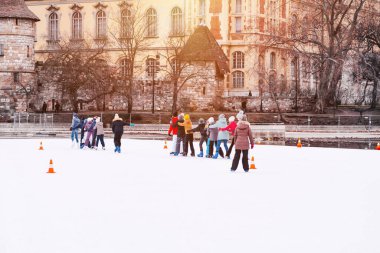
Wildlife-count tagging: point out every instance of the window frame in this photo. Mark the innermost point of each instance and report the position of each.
(238, 79)
(77, 26)
(101, 24)
(53, 26)
(176, 21)
(238, 60)
(152, 22)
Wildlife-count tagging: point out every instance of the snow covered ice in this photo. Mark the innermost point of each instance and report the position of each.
(310, 200)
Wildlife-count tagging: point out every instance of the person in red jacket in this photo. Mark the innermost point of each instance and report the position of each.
(173, 130)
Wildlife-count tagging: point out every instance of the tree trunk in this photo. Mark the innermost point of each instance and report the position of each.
(130, 97)
(374, 93)
(175, 97)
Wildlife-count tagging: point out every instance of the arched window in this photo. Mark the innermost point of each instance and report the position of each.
(272, 60)
(261, 63)
(126, 20)
(77, 26)
(152, 66)
(293, 26)
(238, 7)
(202, 7)
(238, 79)
(101, 24)
(305, 69)
(238, 60)
(125, 68)
(293, 69)
(53, 26)
(305, 28)
(151, 17)
(177, 28)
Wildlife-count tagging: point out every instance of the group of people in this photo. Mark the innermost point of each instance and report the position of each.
(213, 134)
(92, 132)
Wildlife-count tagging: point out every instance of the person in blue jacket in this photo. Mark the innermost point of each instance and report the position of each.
(75, 125)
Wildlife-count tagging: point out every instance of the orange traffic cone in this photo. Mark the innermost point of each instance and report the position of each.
(252, 167)
(41, 147)
(166, 145)
(299, 144)
(51, 169)
(378, 146)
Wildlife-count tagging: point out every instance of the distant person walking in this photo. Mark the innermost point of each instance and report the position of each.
(44, 107)
(243, 140)
(57, 107)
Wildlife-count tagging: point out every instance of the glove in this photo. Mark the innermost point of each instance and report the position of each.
(71, 129)
(132, 124)
(169, 134)
(252, 146)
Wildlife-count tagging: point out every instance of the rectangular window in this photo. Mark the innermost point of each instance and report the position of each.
(27, 51)
(1, 50)
(238, 24)
(16, 77)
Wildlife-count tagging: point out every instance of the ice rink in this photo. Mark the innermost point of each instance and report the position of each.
(311, 200)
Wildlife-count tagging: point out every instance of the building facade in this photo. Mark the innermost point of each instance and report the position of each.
(242, 28)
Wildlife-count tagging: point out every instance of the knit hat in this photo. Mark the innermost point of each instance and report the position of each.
(244, 117)
(89, 119)
(201, 121)
(211, 120)
(181, 116)
(231, 119)
(239, 116)
(117, 117)
(221, 116)
(187, 117)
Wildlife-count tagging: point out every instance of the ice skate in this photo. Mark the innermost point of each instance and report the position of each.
(200, 154)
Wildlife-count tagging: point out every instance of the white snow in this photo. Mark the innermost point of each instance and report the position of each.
(310, 200)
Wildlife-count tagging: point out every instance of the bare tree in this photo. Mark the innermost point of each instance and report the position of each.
(179, 71)
(79, 71)
(325, 36)
(128, 33)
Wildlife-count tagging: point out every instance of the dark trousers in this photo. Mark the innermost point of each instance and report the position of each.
(81, 135)
(230, 148)
(94, 138)
(244, 161)
(202, 140)
(189, 141)
(101, 138)
(212, 143)
(117, 139)
(179, 140)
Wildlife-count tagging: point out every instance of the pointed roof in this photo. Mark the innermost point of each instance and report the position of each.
(202, 46)
(16, 9)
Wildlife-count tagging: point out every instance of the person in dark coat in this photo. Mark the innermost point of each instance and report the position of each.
(44, 107)
(201, 128)
(180, 134)
(83, 123)
(118, 130)
(57, 107)
(243, 140)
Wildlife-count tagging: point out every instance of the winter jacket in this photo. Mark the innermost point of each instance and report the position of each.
(90, 126)
(100, 128)
(243, 136)
(201, 128)
(118, 126)
(212, 132)
(75, 122)
(221, 123)
(181, 128)
(230, 128)
(173, 126)
(188, 125)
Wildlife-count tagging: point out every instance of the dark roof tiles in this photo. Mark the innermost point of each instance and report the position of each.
(202, 46)
(16, 9)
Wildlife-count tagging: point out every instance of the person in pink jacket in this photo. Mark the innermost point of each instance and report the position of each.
(230, 128)
(243, 140)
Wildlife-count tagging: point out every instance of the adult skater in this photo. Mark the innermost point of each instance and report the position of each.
(89, 128)
(118, 130)
(231, 129)
(99, 133)
(180, 134)
(223, 136)
(75, 125)
(243, 139)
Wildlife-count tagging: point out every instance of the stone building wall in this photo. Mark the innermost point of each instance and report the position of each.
(17, 75)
